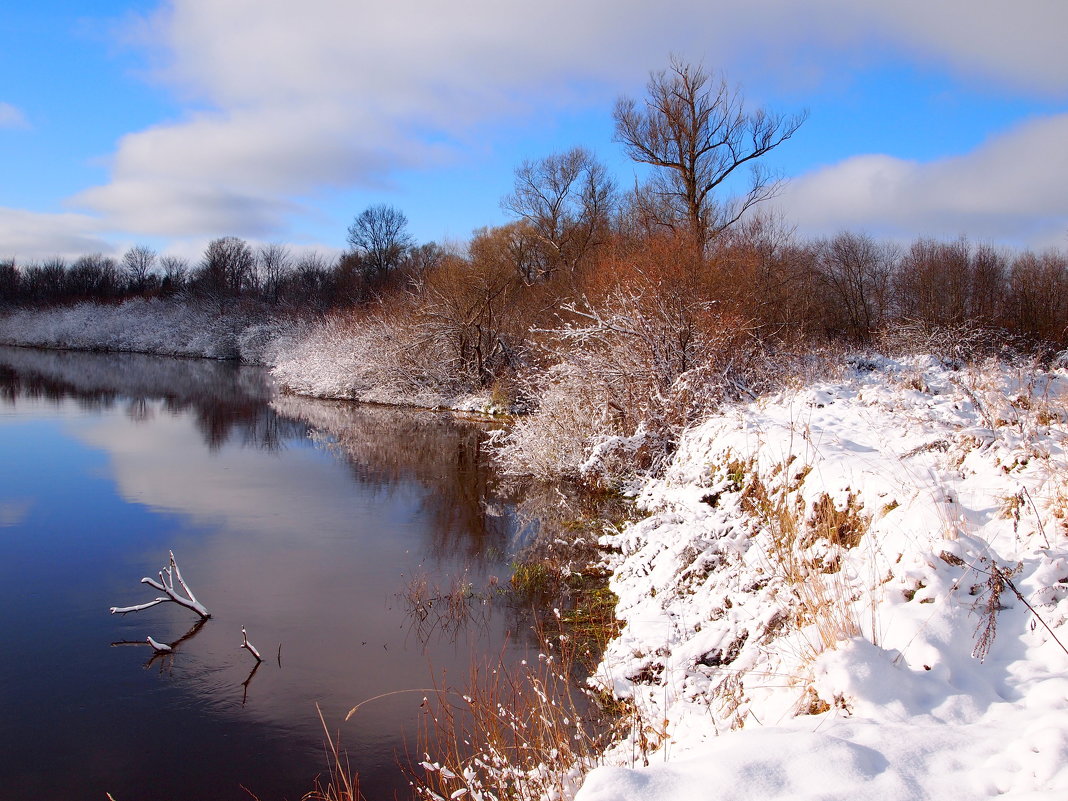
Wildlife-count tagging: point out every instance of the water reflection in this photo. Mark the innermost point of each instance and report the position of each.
(227, 400)
(385, 446)
(300, 521)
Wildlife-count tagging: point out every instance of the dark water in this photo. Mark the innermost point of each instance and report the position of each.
(300, 521)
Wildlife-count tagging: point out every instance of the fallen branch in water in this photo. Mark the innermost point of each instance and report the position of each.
(165, 585)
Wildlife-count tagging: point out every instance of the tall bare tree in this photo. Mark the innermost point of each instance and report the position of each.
(697, 133)
(274, 262)
(9, 282)
(175, 273)
(856, 273)
(227, 268)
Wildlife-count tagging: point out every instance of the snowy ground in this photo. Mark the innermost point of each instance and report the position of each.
(805, 607)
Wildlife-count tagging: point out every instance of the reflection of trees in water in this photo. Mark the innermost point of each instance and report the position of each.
(228, 401)
(473, 518)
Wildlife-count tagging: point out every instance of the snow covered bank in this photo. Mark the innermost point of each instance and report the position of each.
(822, 602)
(166, 328)
(324, 358)
(374, 360)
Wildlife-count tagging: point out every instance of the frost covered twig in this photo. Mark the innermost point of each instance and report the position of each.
(165, 585)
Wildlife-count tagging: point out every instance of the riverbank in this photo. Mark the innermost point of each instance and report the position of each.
(314, 358)
(855, 588)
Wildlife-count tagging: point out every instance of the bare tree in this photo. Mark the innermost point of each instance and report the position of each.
(137, 264)
(274, 263)
(856, 272)
(565, 199)
(92, 276)
(175, 272)
(226, 268)
(696, 134)
(379, 236)
(9, 282)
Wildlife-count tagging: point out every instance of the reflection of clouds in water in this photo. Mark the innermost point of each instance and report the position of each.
(164, 465)
(445, 456)
(14, 512)
(303, 553)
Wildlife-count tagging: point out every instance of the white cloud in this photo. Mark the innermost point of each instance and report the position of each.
(12, 117)
(1011, 188)
(27, 235)
(287, 99)
(1014, 42)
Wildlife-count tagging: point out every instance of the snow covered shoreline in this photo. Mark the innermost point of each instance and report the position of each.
(147, 326)
(308, 358)
(802, 604)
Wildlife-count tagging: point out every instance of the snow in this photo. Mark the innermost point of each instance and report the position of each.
(769, 661)
(162, 327)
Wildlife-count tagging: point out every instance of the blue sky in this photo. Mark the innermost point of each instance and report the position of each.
(172, 123)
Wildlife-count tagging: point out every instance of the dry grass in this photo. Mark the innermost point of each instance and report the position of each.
(805, 549)
(434, 609)
(533, 730)
(529, 733)
(341, 783)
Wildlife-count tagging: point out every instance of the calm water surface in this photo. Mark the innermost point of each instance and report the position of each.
(301, 521)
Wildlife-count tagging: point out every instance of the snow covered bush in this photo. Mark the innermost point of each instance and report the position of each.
(626, 377)
(367, 355)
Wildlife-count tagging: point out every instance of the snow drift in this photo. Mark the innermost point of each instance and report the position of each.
(856, 589)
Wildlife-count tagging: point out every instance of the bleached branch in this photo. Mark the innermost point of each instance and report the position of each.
(250, 647)
(159, 647)
(167, 577)
(122, 610)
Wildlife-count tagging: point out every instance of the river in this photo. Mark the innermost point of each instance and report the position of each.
(301, 521)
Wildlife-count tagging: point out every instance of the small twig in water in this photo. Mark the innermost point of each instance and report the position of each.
(250, 647)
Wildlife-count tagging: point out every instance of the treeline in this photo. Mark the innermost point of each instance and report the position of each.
(230, 270)
(850, 287)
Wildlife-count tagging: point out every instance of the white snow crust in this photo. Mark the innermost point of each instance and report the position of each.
(770, 668)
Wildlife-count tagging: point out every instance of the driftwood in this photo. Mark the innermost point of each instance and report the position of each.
(167, 577)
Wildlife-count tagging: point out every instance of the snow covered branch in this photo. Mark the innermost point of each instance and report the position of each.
(167, 577)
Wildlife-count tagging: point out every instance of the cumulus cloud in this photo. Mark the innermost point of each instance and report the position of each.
(1011, 188)
(12, 117)
(288, 99)
(28, 236)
